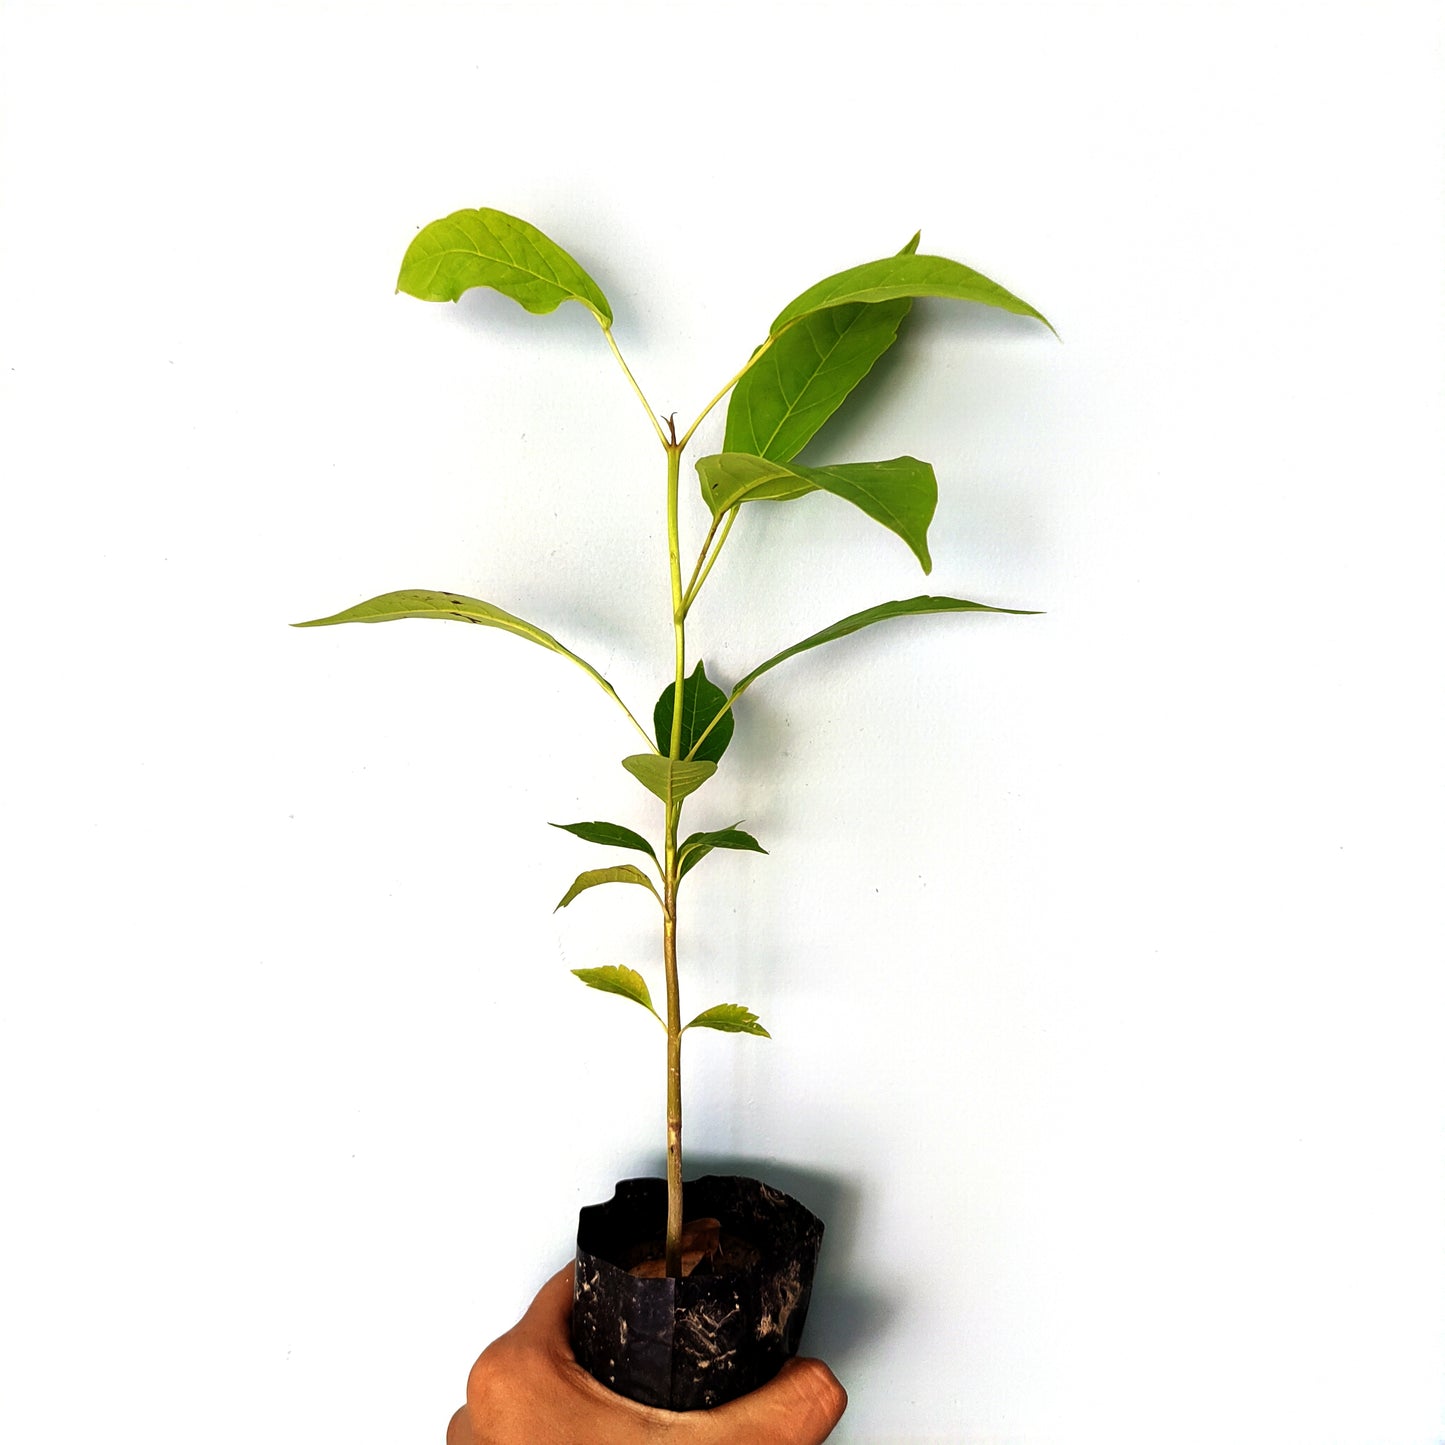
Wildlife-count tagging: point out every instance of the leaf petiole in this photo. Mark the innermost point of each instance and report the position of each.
(751, 362)
(699, 573)
(627, 372)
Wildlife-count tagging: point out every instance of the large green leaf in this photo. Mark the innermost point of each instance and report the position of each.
(701, 700)
(898, 276)
(911, 607)
(807, 374)
(491, 248)
(901, 494)
(694, 849)
(729, 1018)
(610, 835)
(671, 781)
(414, 603)
(627, 982)
(594, 877)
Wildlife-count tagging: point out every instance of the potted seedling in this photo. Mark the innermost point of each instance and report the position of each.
(688, 1294)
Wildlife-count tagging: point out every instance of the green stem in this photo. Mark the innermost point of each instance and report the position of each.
(670, 877)
(679, 612)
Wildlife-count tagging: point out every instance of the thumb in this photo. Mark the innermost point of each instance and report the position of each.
(800, 1406)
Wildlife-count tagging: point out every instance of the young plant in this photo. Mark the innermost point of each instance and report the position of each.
(820, 346)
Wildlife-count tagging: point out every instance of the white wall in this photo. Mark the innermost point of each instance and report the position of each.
(1101, 949)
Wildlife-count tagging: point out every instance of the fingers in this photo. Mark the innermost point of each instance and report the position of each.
(549, 1317)
(532, 1367)
(812, 1397)
(459, 1432)
(800, 1406)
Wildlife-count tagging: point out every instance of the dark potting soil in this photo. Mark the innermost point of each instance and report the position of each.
(707, 1249)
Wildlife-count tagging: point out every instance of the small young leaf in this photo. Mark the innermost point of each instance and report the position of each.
(808, 373)
(902, 494)
(701, 700)
(491, 248)
(611, 835)
(729, 1018)
(622, 873)
(613, 978)
(699, 845)
(671, 781)
(898, 276)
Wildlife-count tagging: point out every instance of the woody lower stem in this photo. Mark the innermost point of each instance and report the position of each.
(674, 1058)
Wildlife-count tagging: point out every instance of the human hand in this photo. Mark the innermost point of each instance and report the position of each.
(528, 1389)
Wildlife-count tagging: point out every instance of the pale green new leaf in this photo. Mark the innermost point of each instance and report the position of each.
(451, 605)
(898, 276)
(611, 835)
(622, 873)
(694, 849)
(491, 248)
(626, 982)
(807, 374)
(671, 781)
(729, 1018)
(902, 493)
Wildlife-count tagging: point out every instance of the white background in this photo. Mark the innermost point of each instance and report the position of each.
(1101, 949)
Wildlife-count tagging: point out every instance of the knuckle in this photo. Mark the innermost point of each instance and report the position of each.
(482, 1382)
(820, 1388)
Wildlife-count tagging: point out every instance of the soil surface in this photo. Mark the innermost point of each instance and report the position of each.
(706, 1249)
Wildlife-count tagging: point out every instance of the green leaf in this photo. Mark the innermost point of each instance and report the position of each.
(622, 873)
(913, 606)
(729, 1018)
(701, 700)
(898, 276)
(611, 835)
(627, 982)
(391, 606)
(901, 494)
(699, 845)
(807, 374)
(491, 248)
(413, 603)
(671, 781)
